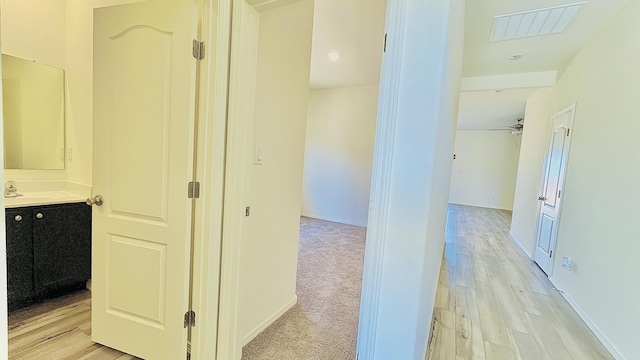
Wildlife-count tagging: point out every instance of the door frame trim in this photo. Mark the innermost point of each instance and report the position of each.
(381, 178)
(209, 294)
(570, 109)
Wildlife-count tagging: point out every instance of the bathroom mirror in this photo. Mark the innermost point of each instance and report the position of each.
(33, 110)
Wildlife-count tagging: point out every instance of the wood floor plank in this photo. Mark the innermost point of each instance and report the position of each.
(498, 352)
(38, 335)
(444, 317)
(511, 311)
(19, 328)
(445, 297)
(85, 327)
(103, 353)
(547, 338)
(68, 345)
(504, 306)
(469, 341)
(58, 330)
(479, 267)
(571, 329)
(492, 324)
(444, 344)
(526, 347)
(49, 306)
(464, 272)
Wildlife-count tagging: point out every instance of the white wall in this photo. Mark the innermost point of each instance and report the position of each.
(269, 252)
(339, 154)
(79, 96)
(599, 224)
(34, 30)
(535, 140)
(412, 174)
(484, 171)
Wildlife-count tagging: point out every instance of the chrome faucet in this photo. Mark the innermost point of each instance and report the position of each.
(10, 189)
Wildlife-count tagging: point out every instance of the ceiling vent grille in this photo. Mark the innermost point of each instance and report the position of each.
(548, 21)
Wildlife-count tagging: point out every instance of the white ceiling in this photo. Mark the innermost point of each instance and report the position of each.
(355, 30)
(488, 109)
(477, 110)
(541, 53)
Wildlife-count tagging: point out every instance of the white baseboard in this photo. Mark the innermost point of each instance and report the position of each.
(347, 222)
(270, 320)
(525, 250)
(594, 328)
(483, 206)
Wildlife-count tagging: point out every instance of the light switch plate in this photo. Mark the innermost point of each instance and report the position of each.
(258, 156)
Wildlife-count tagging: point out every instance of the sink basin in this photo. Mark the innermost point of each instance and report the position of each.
(42, 198)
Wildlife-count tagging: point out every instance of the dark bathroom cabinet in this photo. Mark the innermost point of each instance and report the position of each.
(48, 251)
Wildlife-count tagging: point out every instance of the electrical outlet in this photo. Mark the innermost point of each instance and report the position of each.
(567, 263)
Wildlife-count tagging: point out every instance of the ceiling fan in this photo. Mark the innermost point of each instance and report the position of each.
(516, 129)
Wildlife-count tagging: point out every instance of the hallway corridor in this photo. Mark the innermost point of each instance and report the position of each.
(494, 303)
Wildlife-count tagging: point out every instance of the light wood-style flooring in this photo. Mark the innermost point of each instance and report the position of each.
(493, 302)
(56, 330)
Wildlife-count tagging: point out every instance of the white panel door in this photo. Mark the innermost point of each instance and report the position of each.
(553, 180)
(144, 96)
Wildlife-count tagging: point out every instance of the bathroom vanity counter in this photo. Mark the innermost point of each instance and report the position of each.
(42, 198)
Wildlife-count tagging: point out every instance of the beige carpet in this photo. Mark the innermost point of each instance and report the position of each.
(324, 323)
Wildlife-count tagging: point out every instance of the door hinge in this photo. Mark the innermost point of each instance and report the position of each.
(198, 49)
(385, 43)
(193, 190)
(568, 132)
(189, 319)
